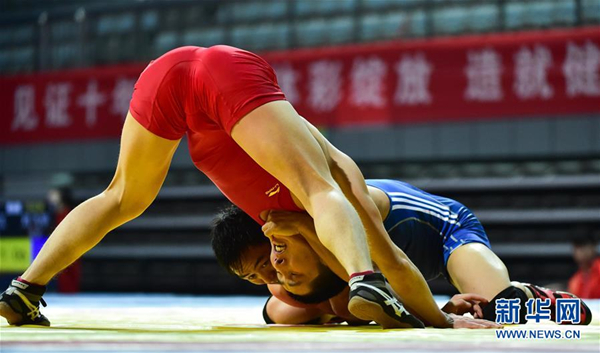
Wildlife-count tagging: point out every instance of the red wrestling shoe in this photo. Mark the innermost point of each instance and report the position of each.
(543, 293)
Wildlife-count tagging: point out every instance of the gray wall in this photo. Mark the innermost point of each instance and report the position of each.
(71, 157)
(514, 138)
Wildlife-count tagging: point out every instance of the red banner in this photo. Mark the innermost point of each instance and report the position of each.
(67, 105)
(455, 78)
(473, 77)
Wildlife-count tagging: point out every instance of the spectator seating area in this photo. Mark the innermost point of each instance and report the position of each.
(34, 38)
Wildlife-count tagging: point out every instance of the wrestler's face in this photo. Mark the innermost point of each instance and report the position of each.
(255, 265)
(296, 263)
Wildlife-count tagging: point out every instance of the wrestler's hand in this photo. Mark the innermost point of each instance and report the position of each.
(461, 304)
(467, 322)
(285, 223)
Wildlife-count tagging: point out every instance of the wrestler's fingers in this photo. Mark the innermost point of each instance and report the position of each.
(268, 228)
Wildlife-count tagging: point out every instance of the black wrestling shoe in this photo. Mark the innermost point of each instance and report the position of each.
(371, 300)
(543, 293)
(20, 304)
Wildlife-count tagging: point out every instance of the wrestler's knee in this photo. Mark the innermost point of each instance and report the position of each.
(126, 204)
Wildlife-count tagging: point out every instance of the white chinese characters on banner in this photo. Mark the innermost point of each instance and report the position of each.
(24, 117)
(581, 70)
(288, 78)
(121, 96)
(56, 102)
(90, 100)
(531, 71)
(325, 85)
(367, 85)
(484, 76)
(414, 73)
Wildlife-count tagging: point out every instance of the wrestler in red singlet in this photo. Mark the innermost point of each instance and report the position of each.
(204, 92)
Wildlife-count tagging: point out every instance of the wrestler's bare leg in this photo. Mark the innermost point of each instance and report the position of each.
(144, 160)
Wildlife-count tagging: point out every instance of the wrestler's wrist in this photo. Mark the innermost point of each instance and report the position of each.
(449, 320)
(446, 321)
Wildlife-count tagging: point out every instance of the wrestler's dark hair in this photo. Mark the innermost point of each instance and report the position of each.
(233, 233)
(324, 287)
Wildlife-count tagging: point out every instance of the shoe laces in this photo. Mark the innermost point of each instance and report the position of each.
(389, 300)
(34, 310)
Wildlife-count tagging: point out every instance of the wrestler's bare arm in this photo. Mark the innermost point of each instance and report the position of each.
(283, 309)
(281, 312)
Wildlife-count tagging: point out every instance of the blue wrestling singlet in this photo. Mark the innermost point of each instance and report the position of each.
(428, 228)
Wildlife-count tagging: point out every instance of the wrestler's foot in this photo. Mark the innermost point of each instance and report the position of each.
(370, 300)
(543, 293)
(20, 304)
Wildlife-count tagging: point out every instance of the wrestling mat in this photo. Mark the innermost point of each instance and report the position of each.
(169, 323)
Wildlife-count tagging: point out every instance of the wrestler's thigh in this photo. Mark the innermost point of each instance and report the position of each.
(474, 268)
(144, 160)
(278, 139)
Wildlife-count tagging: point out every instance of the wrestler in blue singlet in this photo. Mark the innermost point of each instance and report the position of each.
(428, 228)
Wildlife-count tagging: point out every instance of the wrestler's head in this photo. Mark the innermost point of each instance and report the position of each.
(241, 247)
(301, 271)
